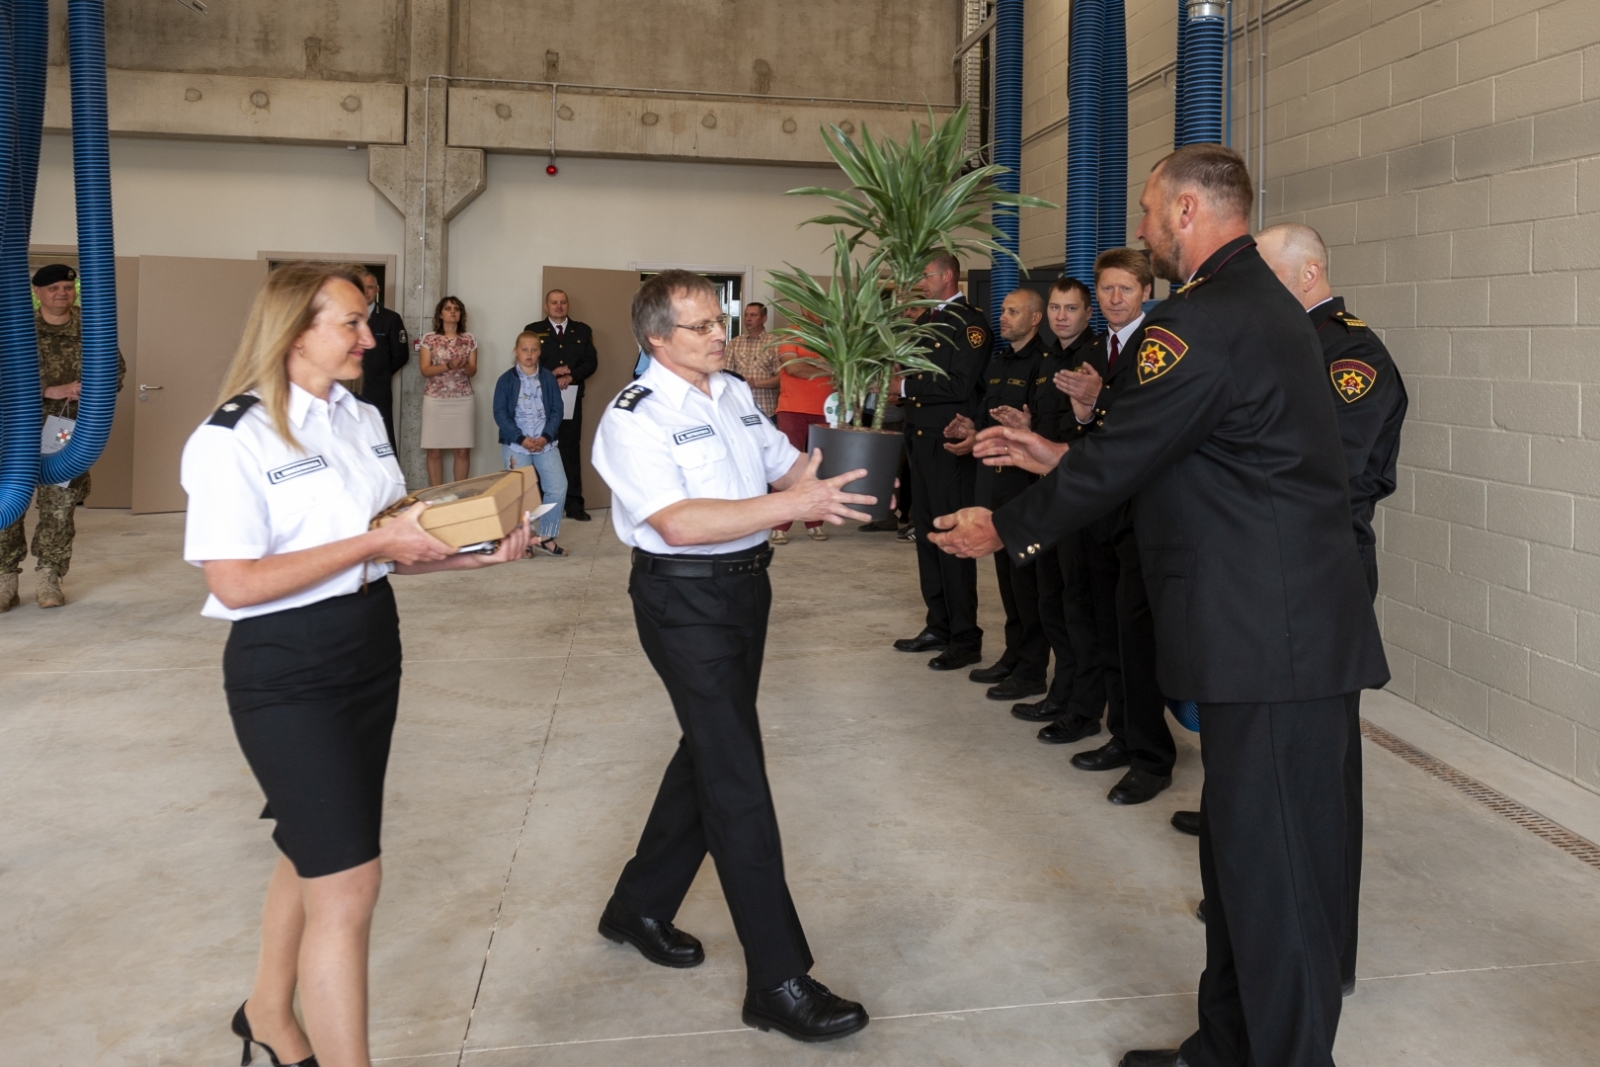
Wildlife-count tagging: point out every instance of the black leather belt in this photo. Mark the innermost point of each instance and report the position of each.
(701, 566)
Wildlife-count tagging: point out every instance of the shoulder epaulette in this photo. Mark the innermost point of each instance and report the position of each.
(630, 397)
(232, 410)
(1349, 320)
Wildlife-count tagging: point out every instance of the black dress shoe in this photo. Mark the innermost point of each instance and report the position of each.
(926, 641)
(658, 940)
(1015, 688)
(1068, 729)
(1186, 822)
(805, 1009)
(999, 671)
(953, 659)
(579, 516)
(1200, 911)
(1108, 756)
(1152, 1057)
(241, 1030)
(1138, 786)
(889, 525)
(1039, 711)
(1347, 986)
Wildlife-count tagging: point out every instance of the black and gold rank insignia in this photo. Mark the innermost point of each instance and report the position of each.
(1159, 353)
(975, 336)
(1352, 379)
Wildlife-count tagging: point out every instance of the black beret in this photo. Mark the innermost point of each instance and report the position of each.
(51, 273)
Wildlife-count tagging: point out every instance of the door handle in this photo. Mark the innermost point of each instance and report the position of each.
(144, 390)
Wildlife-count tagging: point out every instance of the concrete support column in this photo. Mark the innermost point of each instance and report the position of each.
(429, 183)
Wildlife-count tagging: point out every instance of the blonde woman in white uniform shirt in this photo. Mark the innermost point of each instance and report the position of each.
(283, 481)
(689, 458)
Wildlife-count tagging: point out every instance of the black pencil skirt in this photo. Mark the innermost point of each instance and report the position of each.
(312, 692)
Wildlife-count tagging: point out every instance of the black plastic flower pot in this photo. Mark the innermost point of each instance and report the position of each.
(878, 451)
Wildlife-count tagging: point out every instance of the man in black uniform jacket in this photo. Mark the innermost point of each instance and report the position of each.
(1369, 400)
(569, 354)
(1227, 443)
(380, 362)
(1110, 563)
(942, 482)
(1008, 396)
(1077, 695)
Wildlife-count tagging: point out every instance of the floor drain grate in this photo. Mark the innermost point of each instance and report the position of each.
(1567, 841)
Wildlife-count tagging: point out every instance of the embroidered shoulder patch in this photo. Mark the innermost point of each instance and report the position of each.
(694, 433)
(1352, 379)
(975, 336)
(232, 410)
(629, 398)
(311, 464)
(1159, 353)
(751, 420)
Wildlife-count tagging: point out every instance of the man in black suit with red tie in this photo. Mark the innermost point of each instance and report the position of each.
(567, 351)
(1140, 739)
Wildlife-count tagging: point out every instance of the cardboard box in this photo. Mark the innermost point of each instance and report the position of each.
(486, 508)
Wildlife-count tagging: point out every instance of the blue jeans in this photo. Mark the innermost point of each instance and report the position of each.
(552, 483)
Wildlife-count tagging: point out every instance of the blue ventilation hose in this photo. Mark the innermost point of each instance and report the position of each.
(91, 172)
(1007, 143)
(1180, 80)
(1085, 82)
(24, 40)
(1202, 48)
(1113, 151)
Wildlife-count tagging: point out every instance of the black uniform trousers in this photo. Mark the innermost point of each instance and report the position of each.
(1027, 647)
(1110, 547)
(569, 442)
(705, 637)
(942, 484)
(384, 402)
(1067, 612)
(1355, 816)
(1272, 848)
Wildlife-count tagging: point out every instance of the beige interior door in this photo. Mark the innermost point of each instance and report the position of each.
(603, 299)
(111, 478)
(191, 313)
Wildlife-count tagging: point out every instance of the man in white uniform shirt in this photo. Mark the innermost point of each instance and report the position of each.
(689, 458)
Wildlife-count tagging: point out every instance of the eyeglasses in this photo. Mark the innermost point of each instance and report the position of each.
(703, 328)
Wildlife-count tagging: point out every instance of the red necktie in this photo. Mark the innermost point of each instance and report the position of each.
(1116, 350)
(561, 329)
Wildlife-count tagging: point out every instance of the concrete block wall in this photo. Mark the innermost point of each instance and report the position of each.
(1449, 150)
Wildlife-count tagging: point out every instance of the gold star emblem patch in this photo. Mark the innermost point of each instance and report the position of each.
(1352, 379)
(1159, 353)
(975, 336)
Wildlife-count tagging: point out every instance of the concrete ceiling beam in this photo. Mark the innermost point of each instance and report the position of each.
(235, 108)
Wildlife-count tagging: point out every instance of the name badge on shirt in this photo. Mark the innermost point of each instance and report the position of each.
(694, 434)
(279, 475)
(383, 451)
(751, 420)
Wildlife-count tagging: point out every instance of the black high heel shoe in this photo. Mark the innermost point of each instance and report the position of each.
(241, 1030)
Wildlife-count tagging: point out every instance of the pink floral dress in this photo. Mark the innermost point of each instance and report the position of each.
(452, 384)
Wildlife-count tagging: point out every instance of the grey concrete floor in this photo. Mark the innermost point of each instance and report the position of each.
(978, 894)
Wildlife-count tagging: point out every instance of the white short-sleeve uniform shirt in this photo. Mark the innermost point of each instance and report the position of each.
(662, 441)
(252, 494)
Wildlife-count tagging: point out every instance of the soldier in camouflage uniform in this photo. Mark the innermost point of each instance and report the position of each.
(60, 370)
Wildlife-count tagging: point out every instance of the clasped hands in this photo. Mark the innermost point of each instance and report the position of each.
(970, 533)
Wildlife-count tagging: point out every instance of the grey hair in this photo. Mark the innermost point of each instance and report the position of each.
(1301, 242)
(652, 304)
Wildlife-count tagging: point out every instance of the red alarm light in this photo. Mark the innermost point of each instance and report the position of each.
(551, 170)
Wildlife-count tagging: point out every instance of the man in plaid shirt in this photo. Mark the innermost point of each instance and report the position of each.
(754, 357)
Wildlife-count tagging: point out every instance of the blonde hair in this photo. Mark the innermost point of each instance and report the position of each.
(529, 333)
(284, 309)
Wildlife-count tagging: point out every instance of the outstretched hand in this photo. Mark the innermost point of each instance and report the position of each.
(1006, 415)
(969, 533)
(824, 499)
(1002, 446)
(406, 542)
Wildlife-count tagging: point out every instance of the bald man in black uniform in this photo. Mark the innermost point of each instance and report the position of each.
(942, 481)
(1227, 444)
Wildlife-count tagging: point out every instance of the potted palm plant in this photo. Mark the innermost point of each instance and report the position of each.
(907, 202)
